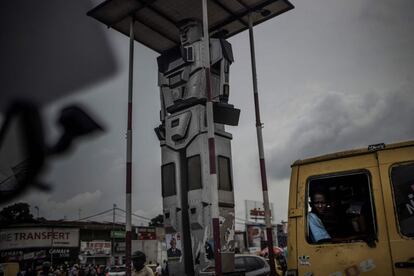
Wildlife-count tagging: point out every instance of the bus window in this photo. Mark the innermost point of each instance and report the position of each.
(341, 208)
(402, 178)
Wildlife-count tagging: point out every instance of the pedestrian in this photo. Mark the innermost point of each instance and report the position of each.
(57, 271)
(30, 272)
(164, 270)
(140, 269)
(46, 270)
(74, 270)
(101, 270)
(158, 270)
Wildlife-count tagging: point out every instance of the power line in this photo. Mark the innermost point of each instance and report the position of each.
(138, 216)
(98, 214)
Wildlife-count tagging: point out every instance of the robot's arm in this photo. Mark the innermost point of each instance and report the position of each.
(161, 84)
(221, 59)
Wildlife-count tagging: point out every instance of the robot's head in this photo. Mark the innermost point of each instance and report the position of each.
(191, 30)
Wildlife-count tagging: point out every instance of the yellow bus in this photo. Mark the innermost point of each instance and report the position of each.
(352, 213)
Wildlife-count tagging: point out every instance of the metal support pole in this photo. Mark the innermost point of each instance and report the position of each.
(211, 146)
(112, 237)
(129, 153)
(51, 254)
(259, 126)
(113, 215)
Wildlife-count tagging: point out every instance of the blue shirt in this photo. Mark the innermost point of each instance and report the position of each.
(317, 230)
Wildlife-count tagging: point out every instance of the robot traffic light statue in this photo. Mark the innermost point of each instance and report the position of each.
(185, 153)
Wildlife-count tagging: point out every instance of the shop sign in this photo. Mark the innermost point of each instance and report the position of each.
(119, 247)
(11, 253)
(146, 233)
(60, 252)
(31, 254)
(255, 211)
(116, 234)
(95, 247)
(17, 238)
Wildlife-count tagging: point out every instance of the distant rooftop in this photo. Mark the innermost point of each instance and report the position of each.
(66, 223)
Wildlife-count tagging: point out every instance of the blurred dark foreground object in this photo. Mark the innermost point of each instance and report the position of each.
(50, 49)
(23, 151)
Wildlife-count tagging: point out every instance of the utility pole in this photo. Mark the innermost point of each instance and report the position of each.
(51, 251)
(112, 234)
(128, 198)
(113, 215)
(259, 126)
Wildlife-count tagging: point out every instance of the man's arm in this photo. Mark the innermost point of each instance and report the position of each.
(318, 232)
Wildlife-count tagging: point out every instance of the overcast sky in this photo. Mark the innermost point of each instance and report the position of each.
(332, 75)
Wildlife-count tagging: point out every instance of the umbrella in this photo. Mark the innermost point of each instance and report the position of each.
(276, 250)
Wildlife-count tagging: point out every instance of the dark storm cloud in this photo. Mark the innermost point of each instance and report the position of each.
(341, 121)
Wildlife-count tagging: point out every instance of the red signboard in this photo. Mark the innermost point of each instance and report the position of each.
(146, 233)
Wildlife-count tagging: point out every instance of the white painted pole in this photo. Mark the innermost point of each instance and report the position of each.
(259, 126)
(211, 145)
(128, 198)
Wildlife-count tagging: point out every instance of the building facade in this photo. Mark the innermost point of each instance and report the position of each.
(74, 242)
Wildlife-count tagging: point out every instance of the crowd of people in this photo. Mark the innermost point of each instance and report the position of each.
(138, 260)
(66, 270)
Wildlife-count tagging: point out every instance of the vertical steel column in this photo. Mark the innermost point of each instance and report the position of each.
(211, 145)
(112, 237)
(259, 126)
(51, 254)
(113, 215)
(185, 219)
(128, 197)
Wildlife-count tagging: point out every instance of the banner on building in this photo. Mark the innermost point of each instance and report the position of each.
(173, 242)
(95, 247)
(119, 247)
(146, 233)
(17, 238)
(257, 237)
(255, 211)
(39, 254)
